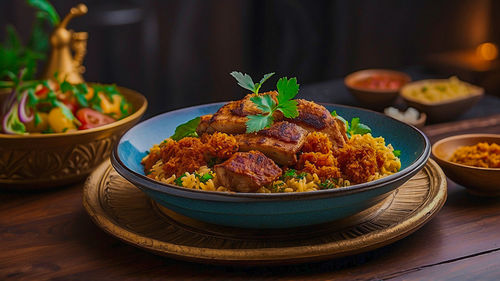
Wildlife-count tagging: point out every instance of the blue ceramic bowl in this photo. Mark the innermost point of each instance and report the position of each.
(277, 210)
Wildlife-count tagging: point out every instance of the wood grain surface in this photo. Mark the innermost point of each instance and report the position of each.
(48, 236)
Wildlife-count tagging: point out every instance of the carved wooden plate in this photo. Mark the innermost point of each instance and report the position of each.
(125, 212)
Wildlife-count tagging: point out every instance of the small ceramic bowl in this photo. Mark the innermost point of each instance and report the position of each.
(377, 99)
(41, 161)
(478, 181)
(445, 110)
(262, 210)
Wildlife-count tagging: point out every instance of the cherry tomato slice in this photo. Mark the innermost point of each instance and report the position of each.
(92, 119)
(42, 92)
(73, 106)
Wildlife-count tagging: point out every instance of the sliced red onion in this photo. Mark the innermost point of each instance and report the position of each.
(5, 124)
(21, 111)
(9, 101)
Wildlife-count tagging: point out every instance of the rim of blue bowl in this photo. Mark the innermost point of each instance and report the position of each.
(142, 181)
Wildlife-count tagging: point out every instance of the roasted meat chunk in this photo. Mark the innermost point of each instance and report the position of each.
(247, 171)
(232, 117)
(316, 118)
(204, 126)
(280, 142)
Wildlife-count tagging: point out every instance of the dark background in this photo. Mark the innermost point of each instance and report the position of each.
(180, 52)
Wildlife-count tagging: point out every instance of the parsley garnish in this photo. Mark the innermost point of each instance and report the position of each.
(355, 127)
(358, 128)
(79, 90)
(287, 90)
(396, 153)
(328, 184)
(334, 114)
(301, 175)
(290, 173)
(204, 178)
(187, 129)
(245, 81)
(178, 181)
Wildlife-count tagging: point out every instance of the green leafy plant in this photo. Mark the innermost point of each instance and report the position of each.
(245, 81)
(187, 129)
(287, 90)
(15, 56)
(45, 10)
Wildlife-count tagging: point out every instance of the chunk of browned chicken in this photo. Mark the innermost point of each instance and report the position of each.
(280, 142)
(247, 171)
(204, 126)
(316, 118)
(232, 117)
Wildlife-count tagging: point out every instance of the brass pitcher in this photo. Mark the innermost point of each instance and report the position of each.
(62, 41)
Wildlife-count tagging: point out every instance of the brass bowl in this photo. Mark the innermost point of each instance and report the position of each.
(443, 110)
(38, 161)
(478, 181)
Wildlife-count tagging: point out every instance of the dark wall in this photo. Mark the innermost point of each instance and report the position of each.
(180, 52)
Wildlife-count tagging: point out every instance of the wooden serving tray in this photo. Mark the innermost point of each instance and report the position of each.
(125, 212)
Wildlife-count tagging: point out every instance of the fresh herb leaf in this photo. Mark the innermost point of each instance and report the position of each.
(264, 103)
(46, 10)
(32, 98)
(301, 175)
(178, 181)
(78, 90)
(38, 119)
(290, 173)
(327, 184)
(65, 110)
(289, 108)
(66, 86)
(187, 129)
(256, 123)
(264, 79)
(396, 153)
(362, 129)
(246, 82)
(287, 90)
(334, 114)
(358, 128)
(204, 178)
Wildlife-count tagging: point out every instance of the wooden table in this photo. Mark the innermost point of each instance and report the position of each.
(48, 236)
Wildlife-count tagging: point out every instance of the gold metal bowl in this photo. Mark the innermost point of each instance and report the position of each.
(38, 161)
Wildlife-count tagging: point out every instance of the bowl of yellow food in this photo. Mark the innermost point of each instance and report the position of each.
(55, 133)
(441, 99)
(471, 160)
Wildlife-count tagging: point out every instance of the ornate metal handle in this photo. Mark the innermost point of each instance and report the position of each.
(79, 46)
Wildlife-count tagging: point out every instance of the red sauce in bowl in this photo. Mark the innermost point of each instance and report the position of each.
(380, 82)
